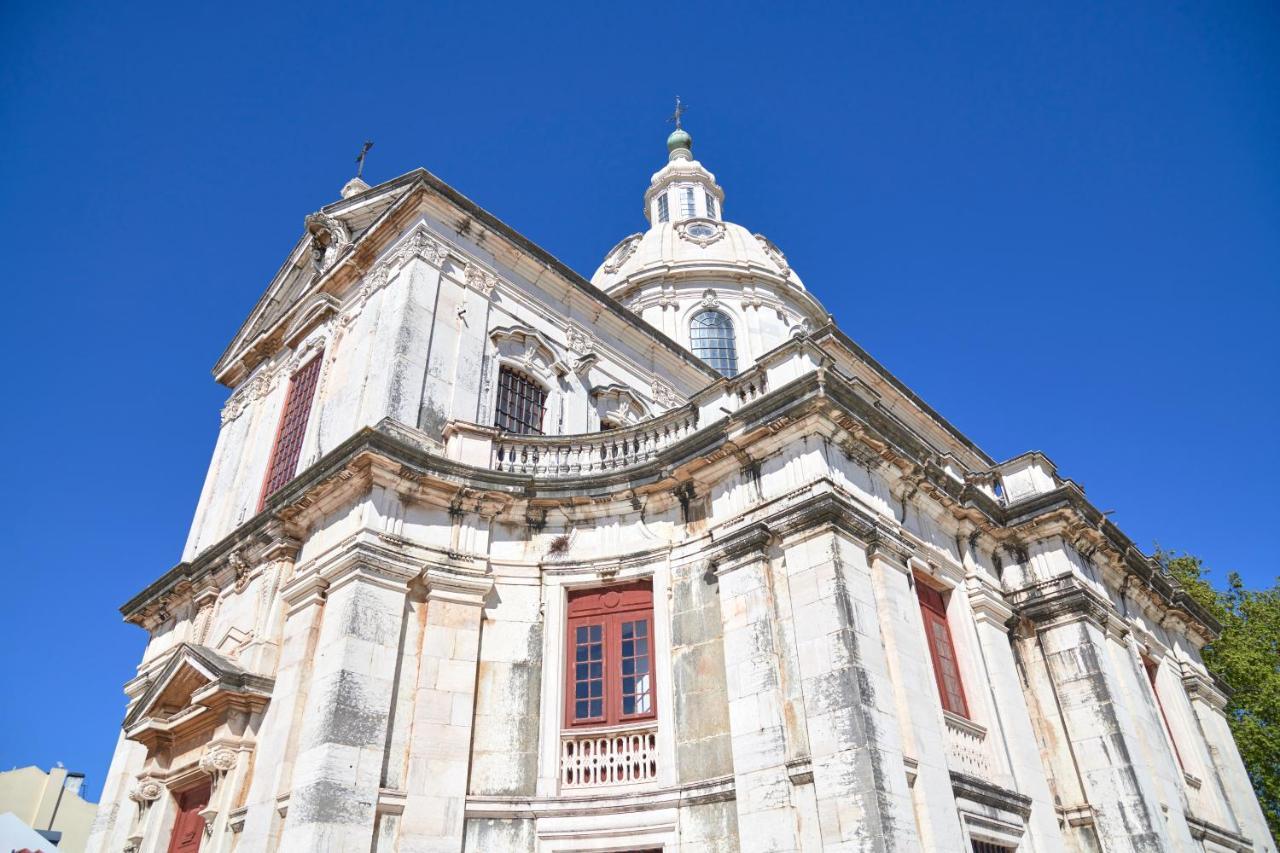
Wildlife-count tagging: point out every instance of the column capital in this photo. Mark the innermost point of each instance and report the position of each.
(740, 548)
(449, 583)
(1064, 599)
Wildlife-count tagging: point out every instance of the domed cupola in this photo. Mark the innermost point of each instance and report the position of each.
(726, 294)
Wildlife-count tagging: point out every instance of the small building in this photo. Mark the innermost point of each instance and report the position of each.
(494, 558)
(50, 804)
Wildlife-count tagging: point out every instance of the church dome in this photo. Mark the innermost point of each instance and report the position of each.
(688, 234)
(727, 294)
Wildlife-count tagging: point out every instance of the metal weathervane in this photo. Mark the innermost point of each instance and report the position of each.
(360, 157)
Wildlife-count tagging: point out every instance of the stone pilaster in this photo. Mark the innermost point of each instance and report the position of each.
(337, 774)
(915, 700)
(1071, 624)
(859, 774)
(439, 749)
(301, 605)
(768, 819)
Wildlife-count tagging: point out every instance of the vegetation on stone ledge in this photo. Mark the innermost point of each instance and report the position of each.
(1247, 658)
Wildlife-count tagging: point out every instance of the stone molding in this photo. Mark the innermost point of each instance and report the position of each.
(1202, 686)
(980, 791)
(1202, 830)
(718, 789)
(1064, 599)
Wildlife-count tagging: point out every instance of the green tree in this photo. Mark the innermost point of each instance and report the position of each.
(1247, 657)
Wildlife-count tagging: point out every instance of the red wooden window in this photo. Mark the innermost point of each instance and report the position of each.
(293, 426)
(933, 607)
(521, 403)
(609, 676)
(1152, 667)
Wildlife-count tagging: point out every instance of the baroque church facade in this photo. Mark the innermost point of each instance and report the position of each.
(490, 557)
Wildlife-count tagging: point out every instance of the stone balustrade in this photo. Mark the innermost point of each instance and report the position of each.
(591, 453)
(967, 747)
(606, 757)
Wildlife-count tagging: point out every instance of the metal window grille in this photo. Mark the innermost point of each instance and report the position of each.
(686, 202)
(711, 334)
(711, 205)
(521, 403)
(988, 847)
(663, 213)
(293, 427)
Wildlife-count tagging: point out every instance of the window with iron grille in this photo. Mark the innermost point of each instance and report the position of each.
(293, 427)
(988, 847)
(686, 202)
(711, 337)
(711, 205)
(663, 213)
(946, 669)
(609, 677)
(521, 403)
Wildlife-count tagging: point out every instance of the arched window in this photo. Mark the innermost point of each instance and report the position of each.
(521, 403)
(711, 334)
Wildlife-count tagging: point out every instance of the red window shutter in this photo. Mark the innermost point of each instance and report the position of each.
(946, 669)
(609, 663)
(293, 427)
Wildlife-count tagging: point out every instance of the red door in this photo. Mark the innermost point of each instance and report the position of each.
(188, 827)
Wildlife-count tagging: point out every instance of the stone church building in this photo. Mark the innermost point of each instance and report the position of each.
(493, 558)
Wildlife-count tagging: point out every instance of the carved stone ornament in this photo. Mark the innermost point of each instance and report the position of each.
(664, 396)
(146, 790)
(621, 253)
(709, 299)
(527, 350)
(701, 232)
(775, 254)
(480, 279)
(237, 562)
(579, 341)
(257, 386)
(419, 243)
(329, 237)
(218, 762)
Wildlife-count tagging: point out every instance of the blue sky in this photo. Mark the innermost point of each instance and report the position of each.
(1060, 224)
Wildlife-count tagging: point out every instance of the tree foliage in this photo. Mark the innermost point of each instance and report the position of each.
(1247, 658)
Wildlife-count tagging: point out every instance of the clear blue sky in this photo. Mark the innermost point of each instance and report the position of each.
(1059, 225)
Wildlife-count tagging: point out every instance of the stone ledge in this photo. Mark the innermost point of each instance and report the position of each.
(979, 791)
(495, 806)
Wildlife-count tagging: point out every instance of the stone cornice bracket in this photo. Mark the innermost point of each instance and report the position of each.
(741, 548)
(145, 790)
(988, 603)
(1201, 685)
(451, 583)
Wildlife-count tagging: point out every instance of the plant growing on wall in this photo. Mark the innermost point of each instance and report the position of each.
(1247, 658)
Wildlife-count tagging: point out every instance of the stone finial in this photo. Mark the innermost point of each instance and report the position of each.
(355, 186)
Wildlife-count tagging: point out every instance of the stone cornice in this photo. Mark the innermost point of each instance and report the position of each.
(980, 791)
(802, 404)
(1065, 598)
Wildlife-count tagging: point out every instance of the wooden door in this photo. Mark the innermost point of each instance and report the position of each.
(188, 826)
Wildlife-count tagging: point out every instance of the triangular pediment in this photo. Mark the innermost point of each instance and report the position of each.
(343, 241)
(191, 675)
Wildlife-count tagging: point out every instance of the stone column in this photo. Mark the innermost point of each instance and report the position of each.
(1071, 622)
(440, 744)
(337, 774)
